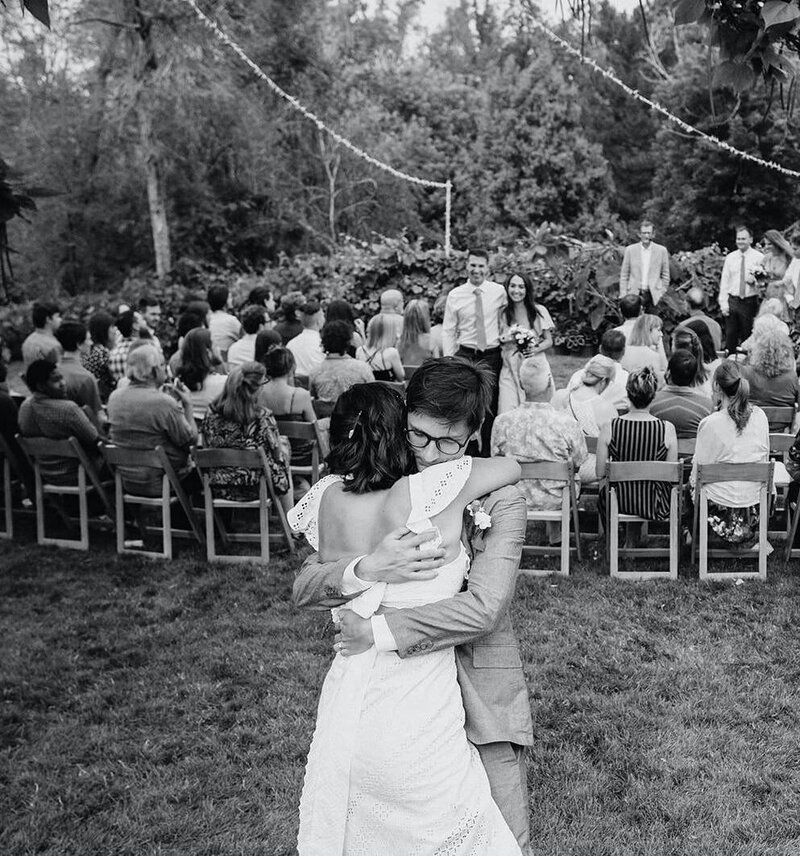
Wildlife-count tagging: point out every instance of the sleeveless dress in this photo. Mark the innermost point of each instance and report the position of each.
(379, 374)
(390, 771)
(640, 440)
(510, 392)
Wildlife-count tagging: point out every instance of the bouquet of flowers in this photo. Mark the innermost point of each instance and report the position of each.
(522, 337)
(759, 278)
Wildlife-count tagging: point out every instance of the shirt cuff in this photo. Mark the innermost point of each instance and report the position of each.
(351, 584)
(382, 636)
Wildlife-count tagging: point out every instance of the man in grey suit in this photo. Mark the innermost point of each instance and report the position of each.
(645, 269)
(442, 418)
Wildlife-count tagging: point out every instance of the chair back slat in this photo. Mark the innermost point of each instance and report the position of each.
(125, 456)
(591, 445)
(297, 430)
(779, 444)
(211, 458)
(44, 447)
(686, 446)
(660, 471)
(712, 473)
(779, 418)
(553, 470)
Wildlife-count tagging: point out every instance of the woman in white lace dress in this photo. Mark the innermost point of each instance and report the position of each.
(390, 771)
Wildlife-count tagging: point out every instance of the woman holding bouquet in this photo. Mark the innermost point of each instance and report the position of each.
(525, 333)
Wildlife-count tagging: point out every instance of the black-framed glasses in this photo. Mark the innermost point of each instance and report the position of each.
(446, 445)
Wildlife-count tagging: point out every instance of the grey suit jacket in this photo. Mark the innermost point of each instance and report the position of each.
(630, 274)
(475, 621)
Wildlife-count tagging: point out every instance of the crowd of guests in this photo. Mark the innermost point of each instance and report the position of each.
(230, 375)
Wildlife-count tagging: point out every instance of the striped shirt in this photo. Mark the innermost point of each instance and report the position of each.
(684, 407)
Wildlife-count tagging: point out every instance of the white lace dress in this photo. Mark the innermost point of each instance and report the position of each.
(390, 771)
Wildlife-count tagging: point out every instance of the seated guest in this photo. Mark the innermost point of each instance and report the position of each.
(644, 347)
(103, 336)
(150, 315)
(684, 338)
(341, 310)
(81, 385)
(49, 413)
(237, 420)
(680, 403)
(265, 341)
(288, 324)
(225, 328)
(148, 412)
(9, 427)
(696, 299)
(738, 433)
(338, 370)
(630, 307)
(197, 369)
(771, 374)
(638, 436)
(379, 353)
(128, 327)
(42, 343)
(415, 340)
(188, 320)
(262, 296)
(287, 401)
(437, 324)
(710, 359)
(306, 346)
(612, 345)
(536, 431)
(391, 302)
(244, 350)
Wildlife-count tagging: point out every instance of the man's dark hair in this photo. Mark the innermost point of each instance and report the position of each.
(71, 334)
(630, 306)
(451, 389)
(742, 228)
(311, 307)
(258, 295)
(38, 373)
(217, 296)
(278, 361)
(682, 367)
(190, 321)
(40, 312)
(147, 300)
(336, 336)
(199, 307)
(99, 325)
(265, 340)
(612, 345)
(125, 323)
(479, 252)
(252, 318)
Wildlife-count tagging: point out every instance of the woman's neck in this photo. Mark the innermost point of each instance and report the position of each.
(640, 413)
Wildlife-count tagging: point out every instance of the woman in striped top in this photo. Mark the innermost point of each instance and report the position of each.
(639, 436)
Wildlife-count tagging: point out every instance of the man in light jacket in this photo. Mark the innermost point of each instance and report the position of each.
(645, 269)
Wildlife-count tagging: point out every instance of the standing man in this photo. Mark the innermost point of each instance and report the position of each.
(446, 400)
(471, 327)
(738, 296)
(645, 269)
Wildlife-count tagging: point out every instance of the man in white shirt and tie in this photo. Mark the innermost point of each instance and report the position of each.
(738, 295)
(471, 326)
(645, 269)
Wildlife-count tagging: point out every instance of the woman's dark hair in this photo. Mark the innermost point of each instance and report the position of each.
(265, 340)
(259, 295)
(196, 360)
(99, 325)
(125, 323)
(686, 338)
(729, 379)
(641, 387)
(529, 302)
(451, 389)
(335, 336)
(704, 335)
(341, 310)
(199, 307)
(278, 362)
(367, 438)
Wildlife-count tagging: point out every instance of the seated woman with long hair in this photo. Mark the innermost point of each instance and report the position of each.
(197, 369)
(103, 336)
(709, 353)
(415, 340)
(771, 372)
(380, 716)
(380, 353)
(685, 338)
(738, 433)
(237, 420)
(641, 348)
(639, 436)
(342, 310)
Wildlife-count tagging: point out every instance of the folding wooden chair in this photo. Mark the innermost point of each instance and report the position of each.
(14, 470)
(8, 517)
(88, 481)
(779, 446)
(172, 492)
(209, 460)
(308, 431)
(561, 471)
(409, 370)
(714, 474)
(780, 419)
(397, 385)
(793, 514)
(649, 471)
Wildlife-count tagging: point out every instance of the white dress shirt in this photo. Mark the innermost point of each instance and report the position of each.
(307, 350)
(647, 254)
(459, 327)
(731, 273)
(242, 351)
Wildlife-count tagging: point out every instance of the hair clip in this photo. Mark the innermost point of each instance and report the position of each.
(355, 425)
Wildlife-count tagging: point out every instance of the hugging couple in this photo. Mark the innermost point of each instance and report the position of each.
(423, 719)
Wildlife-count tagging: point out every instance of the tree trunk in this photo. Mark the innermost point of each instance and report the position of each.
(155, 190)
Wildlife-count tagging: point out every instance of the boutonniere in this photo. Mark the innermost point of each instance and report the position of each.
(480, 516)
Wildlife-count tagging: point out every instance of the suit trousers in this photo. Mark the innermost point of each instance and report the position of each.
(739, 323)
(492, 359)
(508, 779)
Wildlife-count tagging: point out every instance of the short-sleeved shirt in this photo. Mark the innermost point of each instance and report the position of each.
(41, 345)
(225, 329)
(243, 351)
(81, 384)
(337, 374)
(684, 407)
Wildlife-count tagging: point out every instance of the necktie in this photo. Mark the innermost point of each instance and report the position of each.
(480, 324)
(742, 283)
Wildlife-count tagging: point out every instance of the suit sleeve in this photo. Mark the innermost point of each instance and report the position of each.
(625, 272)
(318, 585)
(475, 612)
(665, 269)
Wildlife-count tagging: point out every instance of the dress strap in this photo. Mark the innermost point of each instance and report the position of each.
(434, 489)
(304, 517)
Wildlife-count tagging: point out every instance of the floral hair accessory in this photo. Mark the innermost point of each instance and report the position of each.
(481, 517)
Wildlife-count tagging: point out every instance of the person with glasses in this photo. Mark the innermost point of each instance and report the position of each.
(446, 402)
